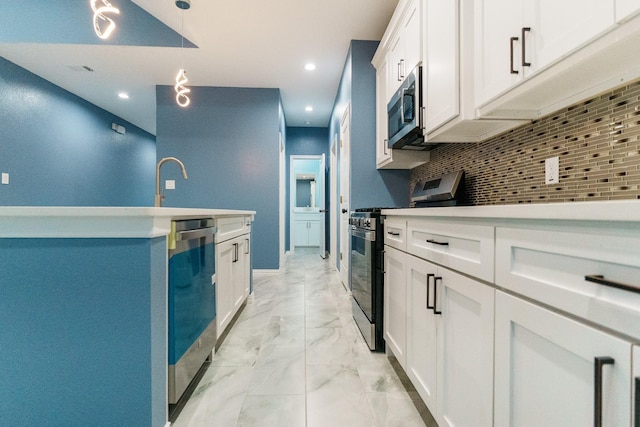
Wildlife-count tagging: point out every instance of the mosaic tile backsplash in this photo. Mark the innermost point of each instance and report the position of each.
(597, 141)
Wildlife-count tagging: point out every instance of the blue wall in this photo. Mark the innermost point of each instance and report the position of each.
(228, 141)
(306, 141)
(59, 150)
(83, 333)
(370, 187)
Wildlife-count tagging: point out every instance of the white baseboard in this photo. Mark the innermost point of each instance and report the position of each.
(168, 424)
(267, 272)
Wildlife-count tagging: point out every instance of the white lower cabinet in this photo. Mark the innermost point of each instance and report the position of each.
(233, 276)
(395, 304)
(450, 343)
(548, 369)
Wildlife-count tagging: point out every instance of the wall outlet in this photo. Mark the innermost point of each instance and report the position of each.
(5, 178)
(170, 184)
(552, 170)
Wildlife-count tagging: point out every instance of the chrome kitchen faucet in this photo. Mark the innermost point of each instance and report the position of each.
(159, 196)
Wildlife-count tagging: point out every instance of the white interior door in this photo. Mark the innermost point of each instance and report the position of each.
(333, 193)
(345, 181)
(282, 203)
(322, 206)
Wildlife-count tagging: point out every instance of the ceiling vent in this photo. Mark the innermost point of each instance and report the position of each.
(81, 68)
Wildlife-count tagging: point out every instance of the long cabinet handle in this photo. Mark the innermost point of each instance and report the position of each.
(599, 363)
(524, 47)
(636, 405)
(599, 279)
(636, 422)
(399, 73)
(393, 233)
(235, 252)
(435, 242)
(429, 276)
(435, 295)
(247, 252)
(511, 70)
(402, 75)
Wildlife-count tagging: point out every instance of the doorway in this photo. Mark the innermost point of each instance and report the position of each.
(307, 203)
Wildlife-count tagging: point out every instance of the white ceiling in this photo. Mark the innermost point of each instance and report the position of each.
(250, 43)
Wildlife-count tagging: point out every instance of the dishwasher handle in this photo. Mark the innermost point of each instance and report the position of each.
(195, 234)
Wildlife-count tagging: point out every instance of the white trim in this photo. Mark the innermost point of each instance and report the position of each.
(267, 272)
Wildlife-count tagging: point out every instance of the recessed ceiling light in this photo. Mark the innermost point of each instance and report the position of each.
(310, 67)
(308, 108)
(123, 95)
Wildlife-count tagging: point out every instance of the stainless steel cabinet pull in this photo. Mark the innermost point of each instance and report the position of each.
(511, 70)
(393, 233)
(435, 295)
(247, 240)
(402, 76)
(435, 242)
(599, 362)
(399, 72)
(636, 405)
(235, 252)
(599, 279)
(524, 48)
(429, 276)
(385, 147)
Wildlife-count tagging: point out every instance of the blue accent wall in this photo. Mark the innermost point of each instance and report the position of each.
(370, 187)
(83, 332)
(228, 141)
(60, 150)
(306, 141)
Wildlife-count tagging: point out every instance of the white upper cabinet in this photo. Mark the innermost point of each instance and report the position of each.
(517, 38)
(441, 75)
(399, 52)
(405, 49)
(625, 9)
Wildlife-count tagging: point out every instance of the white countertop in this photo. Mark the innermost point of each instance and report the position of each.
(623, 210)
(98, 222)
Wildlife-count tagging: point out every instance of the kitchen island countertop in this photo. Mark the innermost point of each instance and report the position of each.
(108, 222)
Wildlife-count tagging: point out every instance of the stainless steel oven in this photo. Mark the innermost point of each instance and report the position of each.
(367, 283)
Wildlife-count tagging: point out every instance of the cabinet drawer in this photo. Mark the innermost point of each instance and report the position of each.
(230, 227)
(467, 248)
(395, 232)
(551, 265)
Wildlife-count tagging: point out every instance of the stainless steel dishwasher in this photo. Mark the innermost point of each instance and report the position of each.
(192, 301)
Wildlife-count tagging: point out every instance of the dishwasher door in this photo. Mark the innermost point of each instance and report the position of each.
(192, 301)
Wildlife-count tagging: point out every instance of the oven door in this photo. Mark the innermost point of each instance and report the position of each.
(363, 269)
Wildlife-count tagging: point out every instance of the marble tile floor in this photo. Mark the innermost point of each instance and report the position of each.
(295, 358)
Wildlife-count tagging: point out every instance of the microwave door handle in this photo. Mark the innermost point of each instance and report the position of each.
(404, 94)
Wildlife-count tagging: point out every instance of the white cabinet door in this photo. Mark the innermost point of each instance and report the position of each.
(383, 153)
(559, 27)
(395, 303)
(465, 351)
(395, 63)
(412, 35)
(314, 233)
(239, 272)
(301, 233)
(224, 285)
(441, 65)
(636, 386)
(421, 329)
(497, 22)
(626, 9)
(545, 365)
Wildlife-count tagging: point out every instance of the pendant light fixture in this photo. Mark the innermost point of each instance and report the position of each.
(100, 20)
(181, 79)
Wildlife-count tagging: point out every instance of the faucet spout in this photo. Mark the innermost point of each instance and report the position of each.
(159, 196)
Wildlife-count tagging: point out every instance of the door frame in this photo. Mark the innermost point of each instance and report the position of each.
(292, 196)
(333, 204)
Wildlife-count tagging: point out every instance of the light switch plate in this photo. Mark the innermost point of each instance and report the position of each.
(5, 178)
(552, 170)
(170, 184)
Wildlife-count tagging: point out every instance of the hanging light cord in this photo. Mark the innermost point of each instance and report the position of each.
(181, 79)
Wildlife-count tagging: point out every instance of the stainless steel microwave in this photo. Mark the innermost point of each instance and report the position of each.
(404, 113)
